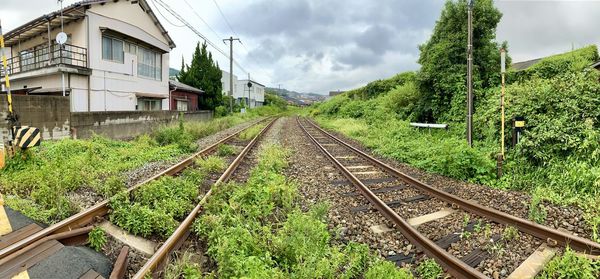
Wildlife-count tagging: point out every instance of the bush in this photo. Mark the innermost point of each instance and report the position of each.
(570, 265)
(97, 238)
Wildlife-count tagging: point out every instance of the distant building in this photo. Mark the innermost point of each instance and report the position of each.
(225, 83)
(241, 92)
(115, 58)
(183, 97)
(256, 93)
(335, 93)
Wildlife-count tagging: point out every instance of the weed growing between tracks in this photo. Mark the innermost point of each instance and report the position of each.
(37, 182)
(256, 230)
(156, 207)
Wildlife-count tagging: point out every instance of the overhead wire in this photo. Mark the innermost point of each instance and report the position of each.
(202, 19)
(188, 25)
(235, 33)
(163, 16)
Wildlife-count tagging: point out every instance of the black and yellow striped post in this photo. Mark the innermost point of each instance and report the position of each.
(26, 137)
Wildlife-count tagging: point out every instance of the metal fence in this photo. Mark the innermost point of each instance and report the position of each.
(43, 56)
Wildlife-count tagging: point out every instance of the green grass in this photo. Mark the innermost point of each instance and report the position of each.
(257, 230)
(38, 182)
(156, 208)
(251, 132)
(97, 238)
(570, 265)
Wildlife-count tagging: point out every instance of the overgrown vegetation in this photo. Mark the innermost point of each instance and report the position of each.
(257, 230)
(558, 156)
(571, 265)
(97, 238)
(157, 207)
(38, 182)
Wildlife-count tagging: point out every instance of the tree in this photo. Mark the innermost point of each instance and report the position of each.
(442, 78)
(203, 73)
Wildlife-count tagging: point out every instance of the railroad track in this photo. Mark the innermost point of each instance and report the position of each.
(378, 183)
(23, 249)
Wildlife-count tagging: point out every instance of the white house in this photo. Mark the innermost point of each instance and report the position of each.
(256, 92)
(241, 91)
(116, 57)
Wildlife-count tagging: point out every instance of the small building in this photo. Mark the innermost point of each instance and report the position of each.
(115, 58)
(183, 97)
(225, 83)
(256, 93)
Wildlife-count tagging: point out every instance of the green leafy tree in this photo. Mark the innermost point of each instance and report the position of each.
(442, 78)
(203, 73)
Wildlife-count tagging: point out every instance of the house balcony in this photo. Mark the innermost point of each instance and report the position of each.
(40, 62)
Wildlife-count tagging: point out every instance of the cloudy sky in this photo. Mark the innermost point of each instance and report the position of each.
(322, 45)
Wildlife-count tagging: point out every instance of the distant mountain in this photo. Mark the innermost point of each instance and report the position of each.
(296, 97)
(173, 72)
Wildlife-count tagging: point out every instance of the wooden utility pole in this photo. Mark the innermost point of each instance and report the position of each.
(231, 39)
(470, 73)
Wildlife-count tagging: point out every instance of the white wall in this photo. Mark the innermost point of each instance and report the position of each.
(225, 83)
(257, 92)
(114, 85)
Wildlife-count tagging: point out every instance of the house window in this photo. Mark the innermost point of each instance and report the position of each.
(182, 105)
(149, 63)
(149, 104)
(112, 49)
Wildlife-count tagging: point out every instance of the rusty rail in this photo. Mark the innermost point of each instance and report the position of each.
(87, 216)
(575, 242)
(455, 266)
(156, 263)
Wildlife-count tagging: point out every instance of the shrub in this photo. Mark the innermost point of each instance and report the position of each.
(225, 150)
(97, 238)
(386, 269)
(570, 265)
(429, 269)
(211, 164)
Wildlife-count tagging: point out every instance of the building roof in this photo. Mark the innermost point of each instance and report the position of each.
(519, 66)
(70, 13)
(176, 85)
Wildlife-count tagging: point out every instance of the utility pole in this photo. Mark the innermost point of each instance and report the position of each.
(231, 39)
(470, 73)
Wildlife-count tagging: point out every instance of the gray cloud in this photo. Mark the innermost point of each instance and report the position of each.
(322, 45)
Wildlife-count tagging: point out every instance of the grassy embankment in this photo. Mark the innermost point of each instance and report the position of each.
(557, 159)
(39, 182)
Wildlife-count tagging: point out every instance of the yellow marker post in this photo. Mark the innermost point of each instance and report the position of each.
(5, 227)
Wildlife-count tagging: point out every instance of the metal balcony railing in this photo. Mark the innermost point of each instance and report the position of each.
(43, 56)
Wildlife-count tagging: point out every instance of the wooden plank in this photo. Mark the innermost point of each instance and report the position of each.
(90, 274)
(29, 258)
(378, 191)
(19, 234)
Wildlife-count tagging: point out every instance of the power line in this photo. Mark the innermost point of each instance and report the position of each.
(196, 13)
(209, 42)
(163, 16)
(235, 33)
(225, 18)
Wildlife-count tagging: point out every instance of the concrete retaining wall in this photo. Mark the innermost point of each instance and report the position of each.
(127, 124)
(50, 114)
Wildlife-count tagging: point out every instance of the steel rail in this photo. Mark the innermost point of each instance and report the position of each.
(156, 263)
(89, 215)
(453, 265)
(575, 242)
